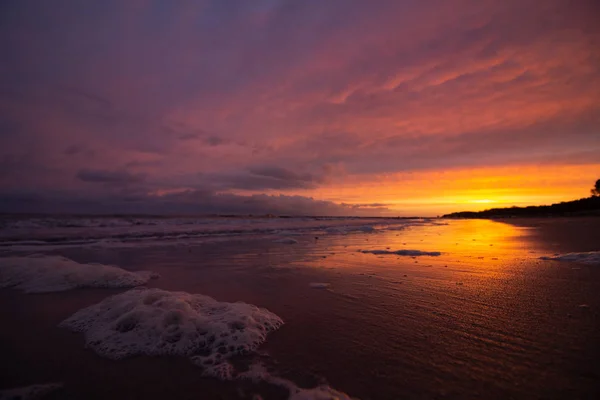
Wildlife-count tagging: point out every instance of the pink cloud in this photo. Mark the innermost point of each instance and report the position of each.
(202, 94)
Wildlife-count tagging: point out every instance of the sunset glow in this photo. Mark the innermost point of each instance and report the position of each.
(300, 199)
(329, 108)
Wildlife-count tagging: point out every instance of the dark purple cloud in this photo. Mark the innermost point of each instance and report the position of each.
(192, 202)
(111, 177)
(283, 96)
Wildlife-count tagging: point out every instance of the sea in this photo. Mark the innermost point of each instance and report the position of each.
(300, 308)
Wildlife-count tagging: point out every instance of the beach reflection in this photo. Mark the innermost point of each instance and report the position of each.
(478, 243)
(464, 237)
(480, 320)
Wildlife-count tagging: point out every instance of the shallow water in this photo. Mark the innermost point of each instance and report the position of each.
(486, 319)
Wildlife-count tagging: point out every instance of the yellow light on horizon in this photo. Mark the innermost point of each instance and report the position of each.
(437, 192)
(482, 201)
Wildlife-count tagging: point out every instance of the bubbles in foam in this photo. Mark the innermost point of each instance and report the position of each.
(160, 322)
(322, 392)
(209, 332)
(223, 371)
(41, 274)
(32, 392)
(258, 373)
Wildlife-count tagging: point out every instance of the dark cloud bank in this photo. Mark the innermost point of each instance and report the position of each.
(191, 202)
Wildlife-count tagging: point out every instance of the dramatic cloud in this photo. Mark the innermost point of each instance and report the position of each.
(102, 176)
(192, 202)
(334, 100)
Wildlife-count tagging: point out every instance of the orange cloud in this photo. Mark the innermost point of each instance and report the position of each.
(426, 106)
(438, 192)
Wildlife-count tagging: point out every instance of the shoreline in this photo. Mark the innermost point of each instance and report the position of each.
(483, 318)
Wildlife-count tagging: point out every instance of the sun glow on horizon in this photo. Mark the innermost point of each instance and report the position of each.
(430, 193)
(482, 201)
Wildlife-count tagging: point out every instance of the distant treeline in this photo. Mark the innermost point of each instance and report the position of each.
(587, 206)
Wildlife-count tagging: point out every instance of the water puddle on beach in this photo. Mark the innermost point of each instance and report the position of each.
(433, 309)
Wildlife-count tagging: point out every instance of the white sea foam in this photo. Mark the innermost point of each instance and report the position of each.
(42, 274)
(322, 392)
(32, 392)
(591, 257)
(223, 371)
(31, 234)
(285, 241)
(159, 322)
(414, 253)
(258, 373)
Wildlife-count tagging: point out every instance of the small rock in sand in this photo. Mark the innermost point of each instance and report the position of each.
(319, 285)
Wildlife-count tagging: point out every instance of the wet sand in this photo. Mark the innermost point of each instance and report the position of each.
(487, 319)
(563, 234)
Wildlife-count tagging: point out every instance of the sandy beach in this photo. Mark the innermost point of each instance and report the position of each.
(485, 319)
(299, 200)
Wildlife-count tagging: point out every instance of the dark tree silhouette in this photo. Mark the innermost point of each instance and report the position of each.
(596, 190)
(582, 207)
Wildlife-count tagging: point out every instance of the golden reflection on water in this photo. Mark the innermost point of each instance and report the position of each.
(483, 263)
(464, 237)
(478, 243)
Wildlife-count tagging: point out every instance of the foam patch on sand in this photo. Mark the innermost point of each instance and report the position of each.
(258, 373)
(32, 392)
(42, 274)
(591, 257)
(322, 392)
(159, 322)
(413, 253)
(285, 241)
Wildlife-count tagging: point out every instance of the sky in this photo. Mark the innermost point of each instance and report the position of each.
(337, 107)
